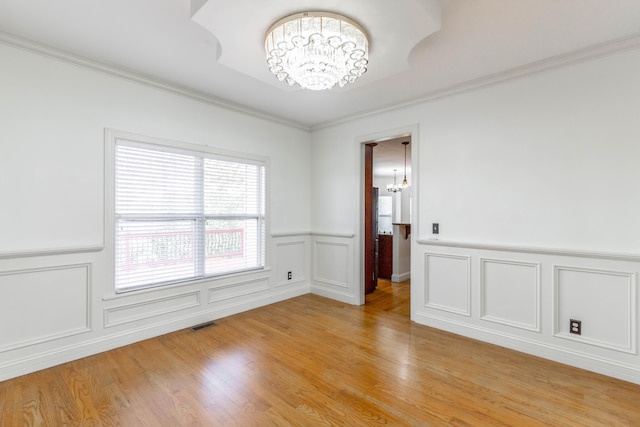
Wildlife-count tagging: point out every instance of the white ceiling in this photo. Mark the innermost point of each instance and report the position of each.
(478, 40)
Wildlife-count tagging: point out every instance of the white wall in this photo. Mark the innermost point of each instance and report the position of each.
(523, 176)
(548, 160)
(57, 302)
(534, 182)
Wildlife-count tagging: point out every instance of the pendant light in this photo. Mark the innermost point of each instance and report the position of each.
(405, 183)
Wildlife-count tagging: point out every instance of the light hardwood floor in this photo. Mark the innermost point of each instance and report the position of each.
(311, 361)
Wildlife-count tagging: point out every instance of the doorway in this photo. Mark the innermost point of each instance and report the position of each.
(387, 223)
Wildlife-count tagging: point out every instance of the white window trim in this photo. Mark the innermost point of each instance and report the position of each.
(111, 136)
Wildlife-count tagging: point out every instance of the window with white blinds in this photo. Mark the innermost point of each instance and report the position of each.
(182, 215)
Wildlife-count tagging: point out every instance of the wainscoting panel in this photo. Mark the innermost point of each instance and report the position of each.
(332, 268)
(238, 289)
(134, 312)
(510, 293)
(523, 298)
(331, 263)
(43, 304)
(605, 303)
(291, 257)
(448, 283)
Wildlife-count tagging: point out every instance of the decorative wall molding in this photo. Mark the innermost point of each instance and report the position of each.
(588, 53)
(288, 283)
(532, 249)
(602, 293)
(333, 234)
(622, 304)
(65, 353)
(50, 252)
(291, 256)
(320, 269)
(519, 304)
(182, 285)
(292, 243)
(237, 289)
(595, 363)
(133, 312)
(461, 281)
(558, 61)
(290, 234)
(42, 279)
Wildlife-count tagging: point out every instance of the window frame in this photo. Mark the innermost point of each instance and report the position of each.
(112, 138)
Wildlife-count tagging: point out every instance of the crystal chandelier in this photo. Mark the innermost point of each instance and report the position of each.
(394, 188)
(316, 50)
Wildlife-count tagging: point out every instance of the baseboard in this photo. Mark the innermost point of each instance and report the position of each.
(401, 277)
(47, 359)
(335, 295)
(588, 362)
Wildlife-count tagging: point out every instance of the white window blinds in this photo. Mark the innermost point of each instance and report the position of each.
(183, 215)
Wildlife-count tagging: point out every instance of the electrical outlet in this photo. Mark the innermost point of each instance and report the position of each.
(289, 276)
(435, 228)
(575, 326)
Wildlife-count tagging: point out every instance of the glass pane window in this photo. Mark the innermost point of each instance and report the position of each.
(154, 252)
(182, 215)
(385, 209)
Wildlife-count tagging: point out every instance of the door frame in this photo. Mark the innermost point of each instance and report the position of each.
(370, 277)
(412, 132)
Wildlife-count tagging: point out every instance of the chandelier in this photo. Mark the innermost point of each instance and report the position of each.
(394, 188)
(317, 50)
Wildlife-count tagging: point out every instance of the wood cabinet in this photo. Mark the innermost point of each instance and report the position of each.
(385, 256)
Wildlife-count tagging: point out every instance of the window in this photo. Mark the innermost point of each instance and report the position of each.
(385, 225)
(183, 214)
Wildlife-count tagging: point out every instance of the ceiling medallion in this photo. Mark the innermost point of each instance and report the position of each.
(317, 50)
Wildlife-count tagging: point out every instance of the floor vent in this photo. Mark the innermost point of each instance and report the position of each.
(202, 326)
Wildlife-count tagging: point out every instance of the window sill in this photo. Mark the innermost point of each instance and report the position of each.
(177, 285)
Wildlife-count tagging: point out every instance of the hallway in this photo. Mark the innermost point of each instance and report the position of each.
(391, 297)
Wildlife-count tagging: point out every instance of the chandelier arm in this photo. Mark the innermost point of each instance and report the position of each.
(394, 188)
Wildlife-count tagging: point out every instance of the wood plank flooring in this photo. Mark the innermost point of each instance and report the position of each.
(390, 297)
(311, 361)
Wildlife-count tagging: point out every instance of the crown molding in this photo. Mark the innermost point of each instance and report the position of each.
(34, 47)
(586, 54)
(582, 55)
(51, 251)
